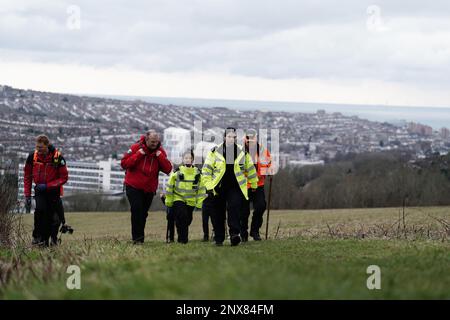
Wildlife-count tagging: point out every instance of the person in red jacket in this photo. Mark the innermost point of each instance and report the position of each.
(143, 162)
(46, 168)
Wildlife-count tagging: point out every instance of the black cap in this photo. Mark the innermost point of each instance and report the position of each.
(229, 129)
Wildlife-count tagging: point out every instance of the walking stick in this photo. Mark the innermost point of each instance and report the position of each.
(167, 232)
(268, 207)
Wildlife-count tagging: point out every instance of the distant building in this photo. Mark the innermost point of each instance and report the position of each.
(302, 163)
(445, 133)
(201, 151)
(420, 129)
(176, 141)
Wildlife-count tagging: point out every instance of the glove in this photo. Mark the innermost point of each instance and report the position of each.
(210, 193)
(28, 204)
(40, 187)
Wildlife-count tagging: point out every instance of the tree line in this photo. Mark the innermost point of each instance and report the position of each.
(384, 179)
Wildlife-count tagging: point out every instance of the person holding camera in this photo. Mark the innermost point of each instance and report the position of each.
(143, 162)
(46, 168)
(226, 171)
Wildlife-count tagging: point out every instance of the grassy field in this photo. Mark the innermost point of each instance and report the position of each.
(320, 254)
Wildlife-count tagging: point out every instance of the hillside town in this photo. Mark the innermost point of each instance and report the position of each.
(94, 129)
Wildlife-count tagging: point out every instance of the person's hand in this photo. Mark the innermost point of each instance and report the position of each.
(28, 204)
(41, 187)
(253, 190)
(210, 193)
(141, 151)
(158, 152)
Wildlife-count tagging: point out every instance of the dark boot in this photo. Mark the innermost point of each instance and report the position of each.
(255, 235)
(235, 239)
(36, 241)
(54, 240)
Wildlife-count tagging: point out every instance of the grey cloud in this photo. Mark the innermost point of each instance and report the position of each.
(274, 39)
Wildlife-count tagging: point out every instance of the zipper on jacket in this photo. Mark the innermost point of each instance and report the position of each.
(145, 160)
(151, 163)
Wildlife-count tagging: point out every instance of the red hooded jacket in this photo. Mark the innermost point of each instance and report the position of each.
(50, 169)
(142, 170)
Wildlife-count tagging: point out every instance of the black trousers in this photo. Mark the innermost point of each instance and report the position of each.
(170, 224)
(48, 216)
(258, 199)
(226, 206)
(183, 219)
(140, 203)
(206, 214)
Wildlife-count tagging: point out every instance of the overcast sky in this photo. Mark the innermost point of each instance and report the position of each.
(357, 51)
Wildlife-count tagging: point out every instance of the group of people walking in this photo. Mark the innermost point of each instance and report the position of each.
(232, 177)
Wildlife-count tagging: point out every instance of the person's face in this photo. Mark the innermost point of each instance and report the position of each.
(41, 148)
(187, 159)
(152, 141)
(230, 138)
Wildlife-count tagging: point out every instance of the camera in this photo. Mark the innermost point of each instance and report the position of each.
(66, 228)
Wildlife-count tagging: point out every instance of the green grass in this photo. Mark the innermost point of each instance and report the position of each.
(304, 261)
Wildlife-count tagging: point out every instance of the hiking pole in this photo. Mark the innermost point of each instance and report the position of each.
(168, 217)
(268, 206)
(167, 232)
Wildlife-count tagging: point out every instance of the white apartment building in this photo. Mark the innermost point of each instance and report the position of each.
(176, 141)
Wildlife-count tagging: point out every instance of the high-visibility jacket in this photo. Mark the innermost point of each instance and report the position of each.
(201, 195)
(215, 166)
(184, 185)
(263, 161)
(49, 169)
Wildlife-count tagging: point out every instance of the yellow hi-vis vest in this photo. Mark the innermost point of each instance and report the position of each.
(183, 185)
(215, 166)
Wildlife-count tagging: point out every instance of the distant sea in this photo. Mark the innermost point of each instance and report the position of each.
(432, 116)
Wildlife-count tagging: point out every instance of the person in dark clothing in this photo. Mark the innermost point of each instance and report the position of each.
(46, 167)
(226, 171)
(205, 224)
(170, 232)
(143, 162)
